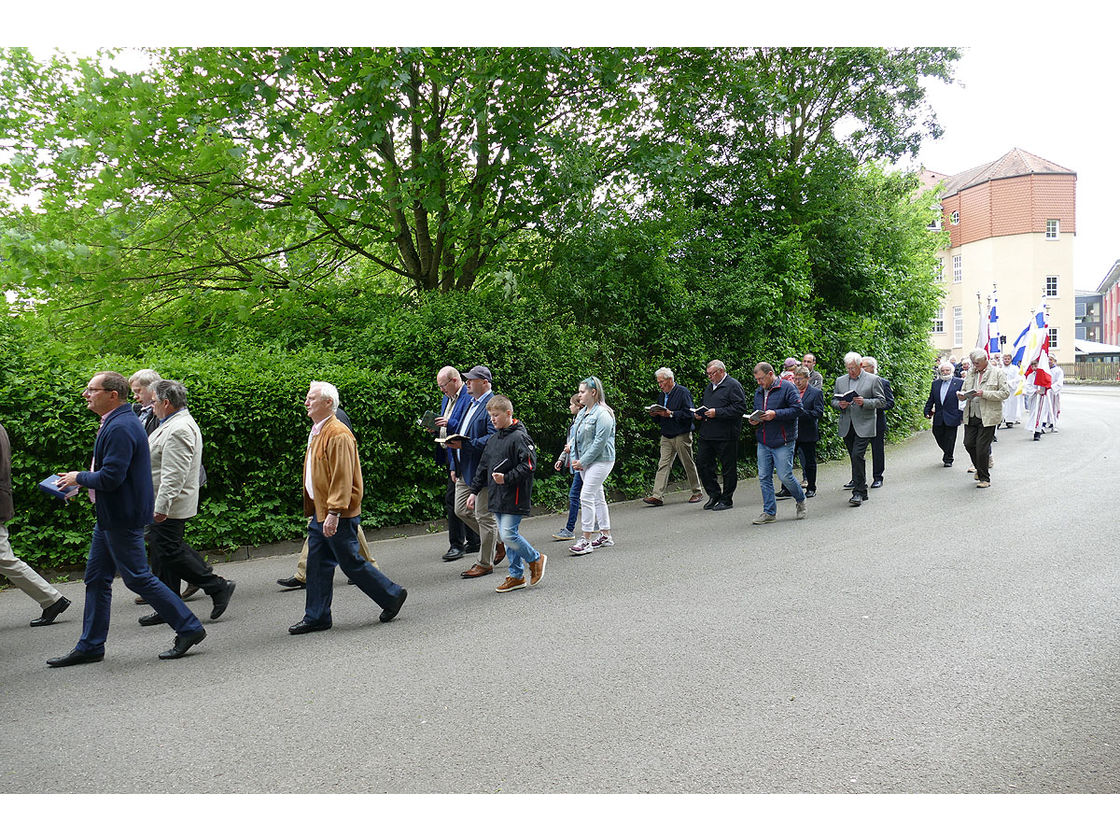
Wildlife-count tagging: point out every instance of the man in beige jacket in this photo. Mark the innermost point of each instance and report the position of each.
(176, 447)
(332, 500)
(982, 395)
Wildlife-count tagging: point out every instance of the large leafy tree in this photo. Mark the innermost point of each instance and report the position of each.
(271, 172)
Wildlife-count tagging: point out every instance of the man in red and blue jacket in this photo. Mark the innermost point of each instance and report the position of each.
(777, 407)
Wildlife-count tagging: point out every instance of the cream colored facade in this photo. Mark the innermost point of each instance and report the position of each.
(1017, 268)
(1011, 226)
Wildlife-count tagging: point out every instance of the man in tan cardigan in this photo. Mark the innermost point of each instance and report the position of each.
(332, 500)
(982, 395)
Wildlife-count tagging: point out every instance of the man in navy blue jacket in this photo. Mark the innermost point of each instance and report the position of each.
(777, 407)
(673, 413)
(456, 401)
(120, 481)
(945, 409)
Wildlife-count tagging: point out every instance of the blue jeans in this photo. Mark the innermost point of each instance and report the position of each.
(122, 550)
(517, 547)
(781, 459)
(573, 500)
(324, 553)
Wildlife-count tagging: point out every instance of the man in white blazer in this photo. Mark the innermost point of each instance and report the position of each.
(176, 447)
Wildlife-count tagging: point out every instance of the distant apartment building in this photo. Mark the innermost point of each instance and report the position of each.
(1011, 225)
(1109, 291)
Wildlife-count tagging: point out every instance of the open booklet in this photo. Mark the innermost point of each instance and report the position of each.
(428, 421)
(755, 416)
(848, 397)
(969, 394)
(443, 441)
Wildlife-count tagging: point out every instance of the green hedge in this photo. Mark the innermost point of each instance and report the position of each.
(248, 398)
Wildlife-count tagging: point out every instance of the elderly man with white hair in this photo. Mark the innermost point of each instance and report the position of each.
(945, 410)
(981, 397)
(673, 411)
(858, 396)
(332, 500)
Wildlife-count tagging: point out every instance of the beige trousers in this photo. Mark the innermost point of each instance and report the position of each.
(23, 576)
(363, 550)
(671, 449)
(480, 520)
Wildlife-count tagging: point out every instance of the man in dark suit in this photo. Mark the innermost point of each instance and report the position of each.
(721, 422)
(808, 432)
(120, 482)
(476, 430)
(141, 384)
(878, 443)
(945, 409)
(452, 409)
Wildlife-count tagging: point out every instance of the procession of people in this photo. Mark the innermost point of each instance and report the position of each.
(146, 472)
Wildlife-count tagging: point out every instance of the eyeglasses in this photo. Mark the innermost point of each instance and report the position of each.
(88, 390)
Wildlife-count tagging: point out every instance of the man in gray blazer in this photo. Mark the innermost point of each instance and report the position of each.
(857, 425)
(176, 446)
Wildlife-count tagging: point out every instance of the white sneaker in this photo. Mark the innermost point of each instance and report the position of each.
(602, 541)
(581, 546)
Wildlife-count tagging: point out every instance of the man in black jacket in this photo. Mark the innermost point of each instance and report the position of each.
(506, 468)
(878, 449)
(673, 412)
(721, 423)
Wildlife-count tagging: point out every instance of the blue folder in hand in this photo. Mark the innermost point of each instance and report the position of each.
(49, 485)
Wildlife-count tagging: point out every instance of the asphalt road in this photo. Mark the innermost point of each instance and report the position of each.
(940, 639)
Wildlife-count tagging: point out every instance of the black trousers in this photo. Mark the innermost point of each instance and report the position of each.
(456, 530)
(173, 561)
(946, 437)
(857, 450)
(878, 453)
(726, 454)
(978, 445)
(807, 452)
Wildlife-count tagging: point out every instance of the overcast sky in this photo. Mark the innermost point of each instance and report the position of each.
(1059, 103)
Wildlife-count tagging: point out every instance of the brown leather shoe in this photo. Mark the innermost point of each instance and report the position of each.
(477, 571)
(499, 553)
(653, 500)
(696, 497)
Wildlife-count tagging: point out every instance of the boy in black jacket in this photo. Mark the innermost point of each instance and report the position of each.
(507, 465)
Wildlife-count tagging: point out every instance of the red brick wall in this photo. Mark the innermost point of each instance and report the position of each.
(1011, 206)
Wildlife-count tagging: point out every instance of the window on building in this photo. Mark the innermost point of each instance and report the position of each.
(940, 275)
(958, 326)
(955, 218)
(1053, 338)
(958, 272)
(1052, 228)
(1051, 286)
(939, 320)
